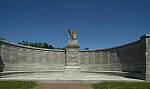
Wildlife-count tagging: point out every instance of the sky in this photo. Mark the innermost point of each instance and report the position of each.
(100, 23)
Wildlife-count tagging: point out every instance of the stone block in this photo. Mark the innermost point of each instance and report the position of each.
(147, 78)
(148, 68)
(148, 48)
(72, 70)
(97, 61)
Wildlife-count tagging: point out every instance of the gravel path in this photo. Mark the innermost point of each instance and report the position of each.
(64, 86)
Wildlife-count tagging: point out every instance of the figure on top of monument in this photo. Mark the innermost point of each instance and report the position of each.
(72, 35)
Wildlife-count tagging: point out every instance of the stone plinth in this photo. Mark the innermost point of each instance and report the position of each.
(72, 70)
(72, 58)
(72, 44)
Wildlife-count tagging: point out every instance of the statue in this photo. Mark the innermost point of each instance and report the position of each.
(72, 35)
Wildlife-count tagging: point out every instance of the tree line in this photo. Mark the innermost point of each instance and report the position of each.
(39, 45)
(1, 38)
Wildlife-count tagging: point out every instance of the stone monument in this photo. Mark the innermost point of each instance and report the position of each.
(72, 64)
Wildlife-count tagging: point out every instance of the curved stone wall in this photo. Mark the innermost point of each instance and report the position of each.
(132, 57)
(23, 58)
(127, 58)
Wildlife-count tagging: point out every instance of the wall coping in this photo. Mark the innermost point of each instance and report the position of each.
(18, 45)
(23, 46)
(145, 36)
(120, 46)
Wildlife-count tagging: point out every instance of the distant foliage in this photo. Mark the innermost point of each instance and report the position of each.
(86, 48)
(39, 45)
(1, 38)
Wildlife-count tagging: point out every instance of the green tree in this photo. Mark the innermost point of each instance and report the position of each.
(20, 43)
(26, 43)
(31, 44)
(50, 46)
(45, 45)
(39, 45)
(35, 44)
(1, 38)
(63, 48)
(86, 48)
(23, 42)
(58, 48)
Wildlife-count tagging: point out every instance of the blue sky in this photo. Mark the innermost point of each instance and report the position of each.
(100, 23)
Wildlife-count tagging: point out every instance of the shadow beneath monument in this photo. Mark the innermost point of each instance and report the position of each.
(131, 75)
(26, 73)
(136, 75)
(1, 65)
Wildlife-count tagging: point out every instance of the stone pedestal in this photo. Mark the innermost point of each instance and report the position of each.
(72, 70)
(72, 58)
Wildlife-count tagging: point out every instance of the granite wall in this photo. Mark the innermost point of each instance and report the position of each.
(23, 58)
(132, 57)
(127, 58)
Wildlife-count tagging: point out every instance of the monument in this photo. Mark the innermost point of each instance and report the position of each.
(124, 62)
(72, 62)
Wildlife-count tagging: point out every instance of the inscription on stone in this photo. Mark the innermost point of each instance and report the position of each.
(72, 57)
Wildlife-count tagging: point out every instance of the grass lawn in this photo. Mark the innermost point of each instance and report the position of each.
(121, 85)
(17, 84)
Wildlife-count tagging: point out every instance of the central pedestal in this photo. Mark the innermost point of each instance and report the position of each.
(72, 58)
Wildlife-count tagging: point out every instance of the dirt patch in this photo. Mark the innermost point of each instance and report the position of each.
(64, 86)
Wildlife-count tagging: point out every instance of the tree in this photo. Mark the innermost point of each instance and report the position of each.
(31, 44)
(63, 48)
(23, 42)
(1, 38)
(58, 48)
(20, 43)
(45, 45)
(35, 44)
(26, 43)
(39, 45)
(50, 47)
(86, 48)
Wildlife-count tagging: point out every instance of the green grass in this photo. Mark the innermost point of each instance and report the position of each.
(17, 84)
(121, 85)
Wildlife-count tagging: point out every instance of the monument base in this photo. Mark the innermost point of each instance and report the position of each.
(72, 70)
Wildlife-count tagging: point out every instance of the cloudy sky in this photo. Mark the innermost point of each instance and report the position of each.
(100, 23)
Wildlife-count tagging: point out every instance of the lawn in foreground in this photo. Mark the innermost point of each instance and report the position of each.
(121, 85)
(17, 84)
